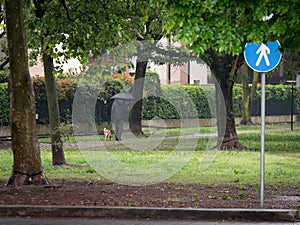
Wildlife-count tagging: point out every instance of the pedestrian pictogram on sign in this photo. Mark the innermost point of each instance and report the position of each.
(262, 57)
(263, 51)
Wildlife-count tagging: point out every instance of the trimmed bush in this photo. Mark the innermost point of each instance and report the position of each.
(4, 75)
(202, 96)
(66, 90)
(179, 101)
(160, 101)
(278, 100)
(152, 96)
(4, 104)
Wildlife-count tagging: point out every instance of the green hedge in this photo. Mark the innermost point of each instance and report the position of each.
(66, 91)
(278, 100)
(4, 104)
(186, 102)
(160, 101)
(152, 92)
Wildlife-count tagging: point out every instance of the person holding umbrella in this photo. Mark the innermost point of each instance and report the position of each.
(119, 112)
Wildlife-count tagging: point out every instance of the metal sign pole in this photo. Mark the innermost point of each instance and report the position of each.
(262, 58)
(292, 82)
(292, 109)
(262, 142)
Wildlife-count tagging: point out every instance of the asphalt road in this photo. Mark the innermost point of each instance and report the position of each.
(21, 221)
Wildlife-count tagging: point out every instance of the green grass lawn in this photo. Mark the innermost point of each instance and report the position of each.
(282, 156)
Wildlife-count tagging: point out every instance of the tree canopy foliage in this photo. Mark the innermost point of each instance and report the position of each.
(227, 25)
(83, 26)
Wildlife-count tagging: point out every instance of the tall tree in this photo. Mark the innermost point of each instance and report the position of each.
(27, 166)
(220, 29)
(150, 30)
(58, 157)
(79, 27)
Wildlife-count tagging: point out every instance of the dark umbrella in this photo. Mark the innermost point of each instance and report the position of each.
(123, 96)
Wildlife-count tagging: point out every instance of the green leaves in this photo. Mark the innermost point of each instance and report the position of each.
(226, 25)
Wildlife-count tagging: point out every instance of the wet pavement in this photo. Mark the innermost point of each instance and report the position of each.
(82, 221)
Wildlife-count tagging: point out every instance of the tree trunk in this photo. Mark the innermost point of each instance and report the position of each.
(254, 85)
(230, 140)
(246, 98)
(58, 157)
(223, 67)
(246, 110)
(248, 95)
(138, 87)
(27, 167)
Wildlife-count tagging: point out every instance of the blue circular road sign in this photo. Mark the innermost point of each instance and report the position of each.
(262, 57)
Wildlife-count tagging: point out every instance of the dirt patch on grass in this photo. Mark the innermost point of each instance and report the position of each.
(88, 193)
(167, 195)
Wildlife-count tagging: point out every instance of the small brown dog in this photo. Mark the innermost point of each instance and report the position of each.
(107, 134)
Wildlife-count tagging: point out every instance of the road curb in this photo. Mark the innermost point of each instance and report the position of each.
(152, 213)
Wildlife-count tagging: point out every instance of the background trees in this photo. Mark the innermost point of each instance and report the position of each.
(79, 28)
(220, 29)
(152, 32)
